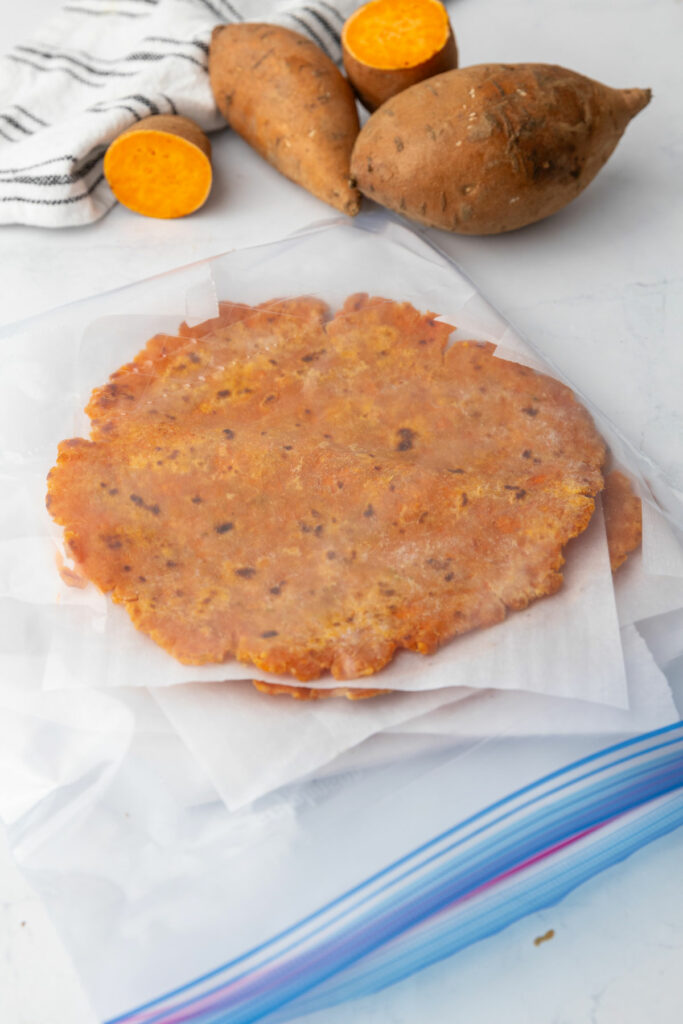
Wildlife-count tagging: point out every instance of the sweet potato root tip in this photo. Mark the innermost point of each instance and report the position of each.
(636, 100)
(389, 45)
(160, 167)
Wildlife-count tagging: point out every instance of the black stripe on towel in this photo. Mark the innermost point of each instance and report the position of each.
(15, 124)
(330, 29)
(233, 10)
(174, 109)
(65, 71)
(115, 106)
(216, 13)
(104, 105)
(27, 113)
(177, 42)
(42, 163)
(54, 202)
(310, 32)
(74, 60)
(93, 61)
(58, 179)
(332, 10)
(71, 54)
(164, 56)
(153, 108)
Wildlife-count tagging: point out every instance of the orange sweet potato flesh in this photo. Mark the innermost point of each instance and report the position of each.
(491, 148)
(289, 101)
(160, 167)
(389, 45)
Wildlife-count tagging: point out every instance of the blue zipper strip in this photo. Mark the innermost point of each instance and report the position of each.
(419, 886)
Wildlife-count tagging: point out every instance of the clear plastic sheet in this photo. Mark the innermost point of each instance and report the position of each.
(280, 868)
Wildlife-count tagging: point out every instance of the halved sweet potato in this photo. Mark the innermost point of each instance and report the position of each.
(160, 167)
(389, 45)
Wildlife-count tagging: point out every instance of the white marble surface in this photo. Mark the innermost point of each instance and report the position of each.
(599, 288)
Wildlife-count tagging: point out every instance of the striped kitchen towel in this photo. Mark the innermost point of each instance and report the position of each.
(96, 68)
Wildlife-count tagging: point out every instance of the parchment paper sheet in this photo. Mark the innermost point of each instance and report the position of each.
(651, 706)
(249, 744)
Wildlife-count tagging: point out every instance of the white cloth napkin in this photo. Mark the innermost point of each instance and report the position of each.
(99, 66)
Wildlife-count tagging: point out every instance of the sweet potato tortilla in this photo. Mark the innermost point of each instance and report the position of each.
(307, 492)
(623, 518)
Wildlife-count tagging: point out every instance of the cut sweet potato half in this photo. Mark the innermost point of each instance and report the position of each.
(389, 45)
(160, 167)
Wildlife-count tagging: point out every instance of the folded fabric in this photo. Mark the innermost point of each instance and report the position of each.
(99, 66)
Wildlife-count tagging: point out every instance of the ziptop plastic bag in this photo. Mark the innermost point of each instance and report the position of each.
(375, 845)
(329, 889)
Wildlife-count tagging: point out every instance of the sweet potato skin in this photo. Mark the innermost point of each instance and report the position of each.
(288, 100)
(491, 148)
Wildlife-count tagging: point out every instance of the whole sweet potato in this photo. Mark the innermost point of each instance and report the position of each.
(289, 101)
(491, 148)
